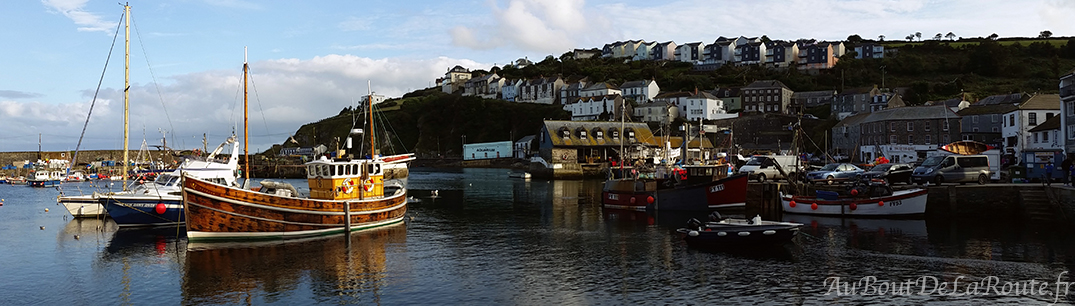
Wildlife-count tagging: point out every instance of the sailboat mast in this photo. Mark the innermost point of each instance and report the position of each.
(126, 90)
(246, 118)
(369, 101)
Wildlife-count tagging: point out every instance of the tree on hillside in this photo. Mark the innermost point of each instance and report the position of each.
(918, 35)
(765, 39)
(881, 37)
(1045, 34)
(950, 36)
(937, 37)
(993, 36)
(854, 38)
(910, 37)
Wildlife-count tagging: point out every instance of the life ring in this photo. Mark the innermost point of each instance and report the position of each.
(368, 185)
(564, 157)
(348, 185)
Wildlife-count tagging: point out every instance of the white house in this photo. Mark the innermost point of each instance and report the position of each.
(677, 99)
(657, 111)
(509, 90)
(540, 90)
(599, 89)
(1016, 124)
(644, 51)
(691, 53)
(703, 105)
(592, 108)
(1046, 136)
(641, 91)
(454, 79)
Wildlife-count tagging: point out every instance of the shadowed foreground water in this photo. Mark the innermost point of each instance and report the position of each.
(488, 239)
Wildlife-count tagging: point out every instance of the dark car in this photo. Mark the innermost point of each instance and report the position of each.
(891, 172)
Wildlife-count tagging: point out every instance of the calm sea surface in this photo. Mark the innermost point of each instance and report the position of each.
(488, 239)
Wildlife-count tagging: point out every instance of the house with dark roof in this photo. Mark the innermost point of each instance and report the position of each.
(573, 89)
(752, 53)
(1046, 136)
(659, 111)
(766, 96)
(574, 149)
(691, 52)
(982, 123)
(1017, 123)
(906, 134)
(665, 51)
(781, 54)
(607, 107)
(846, 138)
(869, 50)
(810, 99)
(540, 90)
(454, 79)
(820, 55)
(677, 99)
(641, 91)
(732, 97)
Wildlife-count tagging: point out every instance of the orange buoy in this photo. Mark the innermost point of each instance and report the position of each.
(792, 203)
(813, 206)
(881, 203)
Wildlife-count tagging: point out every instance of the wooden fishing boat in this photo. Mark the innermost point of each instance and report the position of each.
(733, 232)
(345, 195)
(967, 147)
(692, 188)
(869, 197)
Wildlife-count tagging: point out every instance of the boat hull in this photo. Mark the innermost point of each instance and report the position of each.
(133, 211)
(82, 206)
(716, 235)
(906, 203)
(216, 212)
(42, 183)
(730, 192)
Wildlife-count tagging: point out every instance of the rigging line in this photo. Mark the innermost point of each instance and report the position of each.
(154, 77)
(74, 158)
(258, 98)
(384, 122)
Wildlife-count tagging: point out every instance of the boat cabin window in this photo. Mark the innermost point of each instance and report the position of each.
(354, 169)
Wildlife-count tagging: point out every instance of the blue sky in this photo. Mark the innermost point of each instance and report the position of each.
(309, 59)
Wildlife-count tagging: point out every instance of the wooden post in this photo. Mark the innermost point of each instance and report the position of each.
(347, 219)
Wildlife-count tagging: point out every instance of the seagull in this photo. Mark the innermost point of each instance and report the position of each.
(435, 193)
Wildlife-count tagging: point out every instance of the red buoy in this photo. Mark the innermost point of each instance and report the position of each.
(649, 200)
(813, 206)
(160, 209)
(792, 204)
(632, 200)
(881, 203)
(854, 192)
(854, 206)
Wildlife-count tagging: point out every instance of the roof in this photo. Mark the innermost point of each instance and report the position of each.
(853, 120)
(813, 94)
(674, 94)
(677, 141)
(655, 104)
(1042, 101)
(642, 83)
(1014, 98)
(601, 85)
(911, 113)
(725, 92)
(767, 84)
(527, 138)
(976, 109)
(1052, 123)
(953, 102)
(705, 95)
(642, 133)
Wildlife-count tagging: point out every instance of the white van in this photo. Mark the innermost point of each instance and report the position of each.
(953, 169)
(762, 167)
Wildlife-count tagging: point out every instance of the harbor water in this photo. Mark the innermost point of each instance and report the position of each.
(481, 237)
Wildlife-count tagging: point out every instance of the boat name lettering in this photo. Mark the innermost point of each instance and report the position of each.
(613, 196)
(717, 188)
(894, 203)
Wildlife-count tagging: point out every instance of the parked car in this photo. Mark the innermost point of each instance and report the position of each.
(834, 172)
(762, 167)
(953, 168)
(891, 173)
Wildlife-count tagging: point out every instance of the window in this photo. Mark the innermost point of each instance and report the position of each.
(975, 129)
(995, 117)
(910, 126)
(892, 139)
(892, 126)
(1011, 120)
(996, 129)
(1071, 109)
(1071, 131)
(1045, 137)
(968, 137)
(974, 119)
(945, 138)
(945, 126)
(1036, 139)
(1032, 119)
(927, 139)
(929, 124)
(910, 139)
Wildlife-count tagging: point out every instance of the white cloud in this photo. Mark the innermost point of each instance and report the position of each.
(86, 21)
(534, 25)
(285, 94)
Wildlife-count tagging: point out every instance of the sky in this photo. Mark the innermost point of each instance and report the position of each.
(310, 59)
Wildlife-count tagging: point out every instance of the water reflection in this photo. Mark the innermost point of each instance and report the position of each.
(86, 229)
(338, 270)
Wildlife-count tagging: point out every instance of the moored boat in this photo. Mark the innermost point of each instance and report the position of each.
(869, 197)
(82, 206)
(45, 178)
(692, 188)
(733, 232)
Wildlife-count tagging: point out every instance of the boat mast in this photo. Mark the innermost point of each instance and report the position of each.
(369, 101)
(126, 89)
(246, 129)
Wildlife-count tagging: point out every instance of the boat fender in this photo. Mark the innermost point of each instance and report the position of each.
(792, 203)
(769, 232)
(632, 200)
(368, 185)
(854, 206)
(854, 192)
(744, 234)
(693, 233)
(722, 234)
(813, 206)
(160, 208)
(881, 203)
(649, 200)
